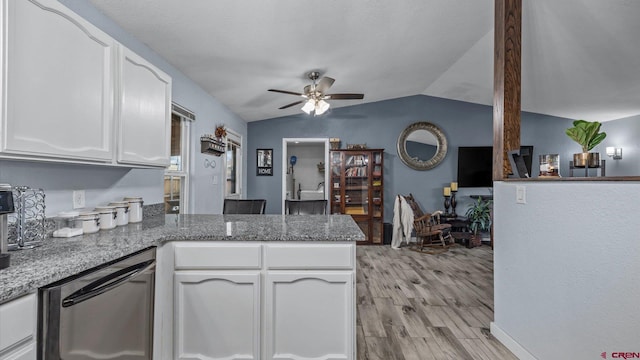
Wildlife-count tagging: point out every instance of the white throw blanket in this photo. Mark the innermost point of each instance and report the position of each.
(402, 222)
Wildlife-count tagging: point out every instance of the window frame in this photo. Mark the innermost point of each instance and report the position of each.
(233, 136)
(183, 174)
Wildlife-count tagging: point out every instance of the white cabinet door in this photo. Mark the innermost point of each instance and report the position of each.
(144, 133)
(26, 352)
(58, 78)
(18, 323)
(217, 315)
(309, 315)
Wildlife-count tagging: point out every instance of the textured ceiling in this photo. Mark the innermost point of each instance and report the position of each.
(580, 57)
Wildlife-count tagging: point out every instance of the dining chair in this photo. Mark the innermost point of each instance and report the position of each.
(244, 206)
(305, 207)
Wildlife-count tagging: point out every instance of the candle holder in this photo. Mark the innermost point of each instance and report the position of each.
(453, 204)
(447, 203)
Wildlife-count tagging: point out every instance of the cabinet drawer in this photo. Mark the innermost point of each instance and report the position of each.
(190, 256)
(18, 321)
(310, 256)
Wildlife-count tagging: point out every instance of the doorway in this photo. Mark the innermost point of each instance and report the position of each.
(303, 172)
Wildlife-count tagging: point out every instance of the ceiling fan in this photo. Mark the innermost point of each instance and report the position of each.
(316, 96)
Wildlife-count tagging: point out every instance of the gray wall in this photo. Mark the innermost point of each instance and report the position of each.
(103, 183)
(379, 124)
(566, 287)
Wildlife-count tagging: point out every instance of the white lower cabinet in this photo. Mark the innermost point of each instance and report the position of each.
(309, 315)
(27, 352)
(217, 315)
(285, 301)
(18, 329)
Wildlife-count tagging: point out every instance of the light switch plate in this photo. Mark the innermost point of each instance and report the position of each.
(521, 194)
(78, 199)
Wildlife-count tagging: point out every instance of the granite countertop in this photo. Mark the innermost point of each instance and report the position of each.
(59, 258)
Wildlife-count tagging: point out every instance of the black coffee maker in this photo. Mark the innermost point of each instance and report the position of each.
(6, 207)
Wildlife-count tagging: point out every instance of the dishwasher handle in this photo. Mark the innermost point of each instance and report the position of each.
(106, 283)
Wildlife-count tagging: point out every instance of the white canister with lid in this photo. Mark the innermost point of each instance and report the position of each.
(66, 219)
(89, 221)
(135, 208)
(107, 216)
(122, 212)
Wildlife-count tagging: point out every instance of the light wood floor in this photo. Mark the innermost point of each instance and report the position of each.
(414, 306)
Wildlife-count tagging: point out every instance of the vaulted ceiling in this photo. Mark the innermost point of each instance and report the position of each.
(580, 58)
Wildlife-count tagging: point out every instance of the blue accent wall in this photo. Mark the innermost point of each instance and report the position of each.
(379, 124)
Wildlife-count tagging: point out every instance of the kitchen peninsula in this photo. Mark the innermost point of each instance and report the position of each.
(254, 286)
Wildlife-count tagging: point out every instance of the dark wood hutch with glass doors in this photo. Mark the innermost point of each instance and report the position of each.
(357, 189)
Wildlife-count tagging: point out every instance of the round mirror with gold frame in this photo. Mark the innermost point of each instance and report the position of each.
(422, 146)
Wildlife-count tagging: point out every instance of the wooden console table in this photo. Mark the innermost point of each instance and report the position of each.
(460, 231)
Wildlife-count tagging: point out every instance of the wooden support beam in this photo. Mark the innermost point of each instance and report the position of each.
(506, 85)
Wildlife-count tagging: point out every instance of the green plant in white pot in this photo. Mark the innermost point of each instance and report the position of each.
(479, 217)
(588, 135)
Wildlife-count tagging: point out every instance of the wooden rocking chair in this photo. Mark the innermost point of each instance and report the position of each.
(430, 233)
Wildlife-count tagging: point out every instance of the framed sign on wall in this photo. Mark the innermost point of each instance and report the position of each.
(265, 162)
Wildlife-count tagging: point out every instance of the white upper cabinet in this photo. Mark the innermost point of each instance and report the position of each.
(59, 77)
(144, 132)
(71, 93)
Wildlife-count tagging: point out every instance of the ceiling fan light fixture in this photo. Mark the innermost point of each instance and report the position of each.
(309, 106)
(321, 107)
(316, 94)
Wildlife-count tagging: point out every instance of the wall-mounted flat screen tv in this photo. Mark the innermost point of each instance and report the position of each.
(475, 165)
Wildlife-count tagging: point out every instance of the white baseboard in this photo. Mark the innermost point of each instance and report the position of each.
(506, 340)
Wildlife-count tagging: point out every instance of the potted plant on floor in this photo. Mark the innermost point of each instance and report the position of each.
(588, 135)
(479, 217)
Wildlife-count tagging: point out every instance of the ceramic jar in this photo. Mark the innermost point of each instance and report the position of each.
(135, 208)
(122, 210)
(107, 217)
(89, 221)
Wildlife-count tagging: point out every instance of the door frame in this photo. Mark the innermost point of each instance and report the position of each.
(285, 163)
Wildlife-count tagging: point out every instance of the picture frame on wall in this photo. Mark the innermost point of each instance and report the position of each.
(264, 162)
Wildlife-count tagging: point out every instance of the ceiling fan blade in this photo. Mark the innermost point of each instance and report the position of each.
(290, 105)
(324, 84)
(285, 92)
(344, 96)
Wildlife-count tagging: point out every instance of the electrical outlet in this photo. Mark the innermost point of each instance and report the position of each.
(78, 199)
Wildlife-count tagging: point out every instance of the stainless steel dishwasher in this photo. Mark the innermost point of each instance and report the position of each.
(102, 313)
